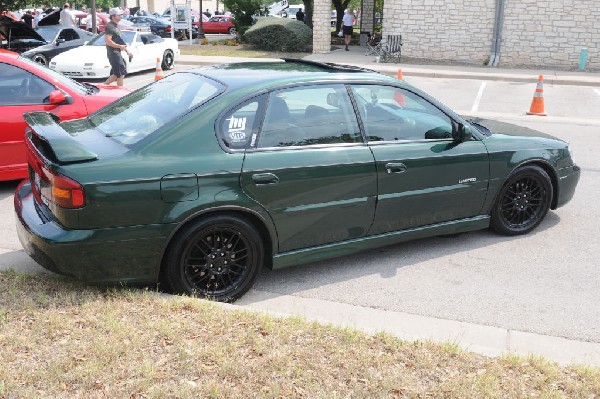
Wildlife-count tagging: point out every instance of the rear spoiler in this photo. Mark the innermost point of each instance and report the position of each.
(54, 142)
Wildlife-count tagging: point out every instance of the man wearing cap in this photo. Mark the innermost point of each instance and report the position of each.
(114, 45)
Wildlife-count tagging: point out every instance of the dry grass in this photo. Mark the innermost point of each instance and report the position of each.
(223, 50)
(60, 339)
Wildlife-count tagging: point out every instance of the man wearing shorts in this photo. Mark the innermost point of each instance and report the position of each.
(114, 45)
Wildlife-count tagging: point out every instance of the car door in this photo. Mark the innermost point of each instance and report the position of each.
(309, 167)
(424, 177)
(21, 91)
(144, 51)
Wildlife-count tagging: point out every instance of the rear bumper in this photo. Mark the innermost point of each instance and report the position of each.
(105, 256)
(567, 182)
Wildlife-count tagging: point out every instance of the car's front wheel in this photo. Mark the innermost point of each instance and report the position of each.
(168, 60)
(523, 201)
(217, 258)
(232, 31)
(40, 59)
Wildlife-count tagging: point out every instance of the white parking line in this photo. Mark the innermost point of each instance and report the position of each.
(475, 106)
(597, 91)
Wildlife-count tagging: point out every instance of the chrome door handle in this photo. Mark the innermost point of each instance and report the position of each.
(395, 167)
(265, 179)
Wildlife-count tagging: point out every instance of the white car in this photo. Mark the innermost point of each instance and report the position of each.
(90, 61)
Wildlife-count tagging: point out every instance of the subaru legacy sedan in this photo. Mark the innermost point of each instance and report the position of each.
(203, 178)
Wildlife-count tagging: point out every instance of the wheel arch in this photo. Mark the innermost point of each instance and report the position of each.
(553, 178)
(544, 165)
(267, 233)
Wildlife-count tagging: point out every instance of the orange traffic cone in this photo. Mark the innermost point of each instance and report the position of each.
(159, 72)
(537, 104)
(400, 77)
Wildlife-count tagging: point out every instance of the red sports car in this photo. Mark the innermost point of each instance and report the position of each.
(27, 86)
(218, 24)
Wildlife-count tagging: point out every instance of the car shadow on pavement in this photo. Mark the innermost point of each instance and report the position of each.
(385, 262)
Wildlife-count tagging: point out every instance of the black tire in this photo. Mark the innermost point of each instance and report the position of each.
(168, 61)
(232, 31)
(217, 258)
(522, 202)
(40, 59)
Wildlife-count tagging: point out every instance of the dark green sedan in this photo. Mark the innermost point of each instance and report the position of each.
(202, 178)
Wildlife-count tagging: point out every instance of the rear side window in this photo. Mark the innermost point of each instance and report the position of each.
(309, 115)
(239, 127)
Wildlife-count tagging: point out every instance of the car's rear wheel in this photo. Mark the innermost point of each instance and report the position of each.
(232, 31)
(523, 201)
(40, 59)
(217, 258)
(168, 60)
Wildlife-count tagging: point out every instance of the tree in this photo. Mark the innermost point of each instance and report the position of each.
(244, 10)
(12, 5)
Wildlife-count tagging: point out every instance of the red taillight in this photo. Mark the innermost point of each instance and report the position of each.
(168, 29)
(49, 186)
(65, 192)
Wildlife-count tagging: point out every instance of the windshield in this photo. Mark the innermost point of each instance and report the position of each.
(127, 36)
(57, 77)
(47, 33)
(131, 118)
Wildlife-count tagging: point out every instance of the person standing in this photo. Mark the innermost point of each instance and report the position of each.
(300, 15)
(28, 19)
(347, 22)
(66, 18)
(114, 45)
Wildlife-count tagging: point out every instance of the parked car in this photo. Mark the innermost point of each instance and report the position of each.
(90, 61)
(218, 24)
(206, 176)
(59, 39)
(42, 43)
(159, 26)
(27, 86)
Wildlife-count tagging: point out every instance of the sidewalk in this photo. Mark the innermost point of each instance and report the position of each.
(356, 56)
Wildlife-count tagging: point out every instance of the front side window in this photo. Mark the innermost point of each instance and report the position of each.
(391, 114)
(19, 87)
(309, 115)
(131, 118)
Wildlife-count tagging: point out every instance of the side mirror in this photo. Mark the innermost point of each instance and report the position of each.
(458, 132)
(59, 41)
(57, 97)
(333, 100)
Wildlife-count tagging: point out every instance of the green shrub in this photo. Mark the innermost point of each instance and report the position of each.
(279, 34)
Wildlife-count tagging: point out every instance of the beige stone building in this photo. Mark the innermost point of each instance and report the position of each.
(540, 33)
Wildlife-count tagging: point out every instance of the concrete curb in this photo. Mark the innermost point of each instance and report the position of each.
(482, 339)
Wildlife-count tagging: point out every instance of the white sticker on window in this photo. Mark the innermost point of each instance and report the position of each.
(236, 129)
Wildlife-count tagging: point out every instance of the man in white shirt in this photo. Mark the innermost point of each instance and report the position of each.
(66, 18)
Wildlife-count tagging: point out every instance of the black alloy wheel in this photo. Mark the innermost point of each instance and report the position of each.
(168, 62)
(523, 201)
(40, 59)
(217, 258)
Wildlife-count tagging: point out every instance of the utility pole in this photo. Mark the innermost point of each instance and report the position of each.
(200, 29)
